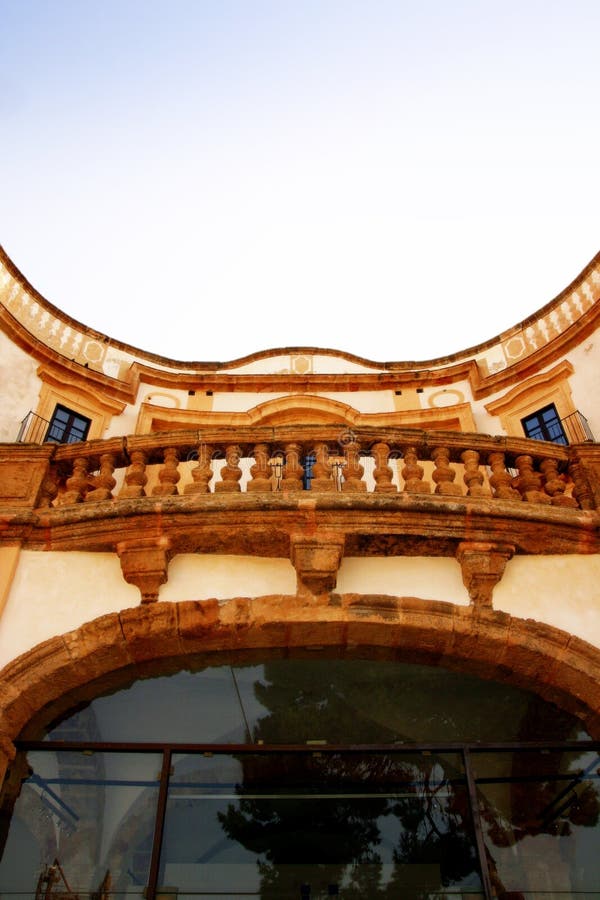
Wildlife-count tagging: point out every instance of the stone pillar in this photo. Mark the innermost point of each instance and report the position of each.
(322, 480)
(500, 479)
(231, 472)
(168, 475)
(353, 471)
(77, 484)
(104, 481)
(473, 477)
(444, 474)
(293, 471)
(260, 472)
(555, 486)
(201, 473)
(135, 477)
(584, 468)
(382, 473)
(412, 473)
(482, 565)
(529, 482)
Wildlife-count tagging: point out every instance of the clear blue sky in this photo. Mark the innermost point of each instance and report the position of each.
(205, 179)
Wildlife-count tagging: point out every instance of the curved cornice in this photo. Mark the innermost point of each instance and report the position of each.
(52, 336)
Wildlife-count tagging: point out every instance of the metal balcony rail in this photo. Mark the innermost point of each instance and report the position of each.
(278, 460)
(577, 428)
(32, 429)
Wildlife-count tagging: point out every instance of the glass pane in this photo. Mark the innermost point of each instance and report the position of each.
(81, 821)
(288, 701)
(539, 813)
(316, 825)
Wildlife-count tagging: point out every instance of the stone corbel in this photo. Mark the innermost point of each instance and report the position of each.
(316, 561)
(482, 567)
(144, 563)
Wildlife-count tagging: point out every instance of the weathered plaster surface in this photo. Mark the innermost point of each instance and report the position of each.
(20, 387)
(563, 591)
(403, 576)
(196, 577)
(54, 592)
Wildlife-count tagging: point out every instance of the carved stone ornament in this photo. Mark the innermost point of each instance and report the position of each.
(144, 563)
(317, 560)
(482, 567)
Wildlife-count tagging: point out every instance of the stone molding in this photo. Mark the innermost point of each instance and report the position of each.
(56, 674)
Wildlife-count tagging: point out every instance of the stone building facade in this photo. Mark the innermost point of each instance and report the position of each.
(310, 508)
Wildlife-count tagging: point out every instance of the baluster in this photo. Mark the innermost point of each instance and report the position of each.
(231, 472)
(412, 473)
(529, 482)
(382, 473)
(104, 481)
(77, 484)
(201, 473)
(353, 471)
(135, 477)
(555, 486)
(473, 477)
(293, 471)
(443, 474)
(322, 480)
(582, 491)
(260, 472)
(500, 479)
(49, 489)
(168, 475)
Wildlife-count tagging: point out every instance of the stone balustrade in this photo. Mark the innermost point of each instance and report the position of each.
(319, 459)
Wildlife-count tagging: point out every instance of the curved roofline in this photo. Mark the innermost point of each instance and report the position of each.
(215, 366)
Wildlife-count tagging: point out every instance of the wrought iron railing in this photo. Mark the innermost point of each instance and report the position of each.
(577, 428)
(32, 429)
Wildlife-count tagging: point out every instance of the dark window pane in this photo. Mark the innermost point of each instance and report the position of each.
(66, 426)
(544, 425)
(368, 825)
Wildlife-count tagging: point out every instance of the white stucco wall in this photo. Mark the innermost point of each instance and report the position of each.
(20, 387)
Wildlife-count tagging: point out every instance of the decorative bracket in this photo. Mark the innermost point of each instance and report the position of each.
(316, 561)
(482, 567)
(144, 563)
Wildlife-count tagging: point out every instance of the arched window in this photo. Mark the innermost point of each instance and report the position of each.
(308, 777)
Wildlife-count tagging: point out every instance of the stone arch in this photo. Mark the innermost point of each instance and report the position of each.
(102, 653)
(298, 409)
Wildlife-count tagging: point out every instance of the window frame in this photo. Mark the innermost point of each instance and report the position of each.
(71, 433)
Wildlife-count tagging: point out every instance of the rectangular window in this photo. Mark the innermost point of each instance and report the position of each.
(67, 426)
(545, 425)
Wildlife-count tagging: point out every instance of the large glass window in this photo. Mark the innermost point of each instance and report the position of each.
(305, 778)
(67, 426)
(545, 425)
